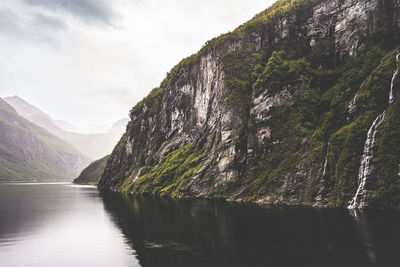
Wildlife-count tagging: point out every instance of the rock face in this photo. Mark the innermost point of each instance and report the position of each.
(250, 116)
(29, 153)
(92, 173)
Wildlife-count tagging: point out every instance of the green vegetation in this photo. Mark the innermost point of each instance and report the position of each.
(92, 173)
(241, 69)
(29, 153)
(281, 71)
(277, 10)
(321, 116)
(311, 89)
(347, 142)
(387, 160)
(152, 101)
(308, 111)
(215, 45)
(172, 175)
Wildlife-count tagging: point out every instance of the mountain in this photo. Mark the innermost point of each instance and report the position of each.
(117, 126)
(92, 173)
(298, 106)
(94, 145)
(65, 125)
(30, 153)
(86, 129)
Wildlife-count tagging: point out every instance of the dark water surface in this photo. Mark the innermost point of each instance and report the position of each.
(68, 225)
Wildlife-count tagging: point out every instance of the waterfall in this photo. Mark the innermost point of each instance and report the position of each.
(325, 162)
(322, 179)
(391, 97)
(352, 105)
(365, 166)
(359, 199)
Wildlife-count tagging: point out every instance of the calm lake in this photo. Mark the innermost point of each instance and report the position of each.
(70, 225)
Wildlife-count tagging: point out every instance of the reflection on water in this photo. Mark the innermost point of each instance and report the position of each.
(362, 227)
(167, 232)
(67, 225)
(58, 225)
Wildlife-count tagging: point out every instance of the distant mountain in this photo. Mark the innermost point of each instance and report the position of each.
(30, 153)
(92, 173)
(117, 126)
(93, 145)
(86, 129)
(65, 125)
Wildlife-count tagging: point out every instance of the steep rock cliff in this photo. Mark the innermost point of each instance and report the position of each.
(276, 111)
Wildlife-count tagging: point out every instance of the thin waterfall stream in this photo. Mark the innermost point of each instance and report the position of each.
(391, 96)
(324, 169)
(359, 199)
(326, 161)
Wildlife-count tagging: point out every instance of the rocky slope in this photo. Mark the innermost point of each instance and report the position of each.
(30, 153)
(92, 173)
(278, 111)
(94, 145)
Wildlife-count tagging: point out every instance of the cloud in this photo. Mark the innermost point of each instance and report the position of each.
(109, 53)
(9, 22)
(49, 22)
(36, 27)
(90, 11)
(116, 92)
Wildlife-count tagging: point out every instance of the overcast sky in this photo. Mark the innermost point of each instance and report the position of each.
(90, 61)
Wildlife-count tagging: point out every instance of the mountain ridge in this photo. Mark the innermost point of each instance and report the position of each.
(275, 112)
(30, 153)
(92, 173)
(94, 145)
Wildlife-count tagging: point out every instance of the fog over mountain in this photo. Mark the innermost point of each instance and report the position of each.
(30, 153)
(94, 145)
(94, 59)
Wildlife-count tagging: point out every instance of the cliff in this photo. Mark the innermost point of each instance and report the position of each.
(92, 173)
(282, 110)
(31, 154)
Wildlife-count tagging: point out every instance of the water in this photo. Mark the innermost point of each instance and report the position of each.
(352, 105)
(391, 96)
(58, 225)
(326, 161)
(65, 225)
(359, 199)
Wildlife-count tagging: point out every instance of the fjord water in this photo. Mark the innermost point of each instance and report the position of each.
(67, 225)
(58, 225)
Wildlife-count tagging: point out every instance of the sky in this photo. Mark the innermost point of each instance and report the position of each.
(91, 61)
